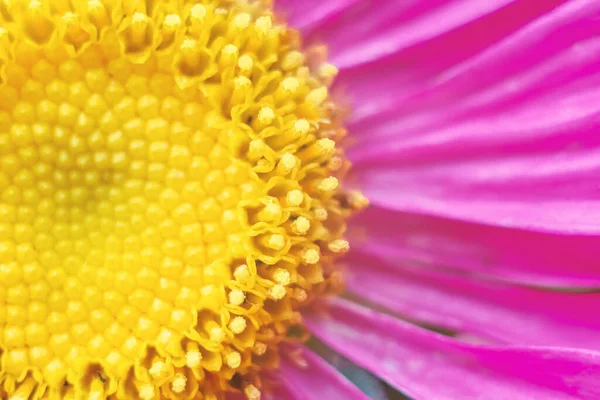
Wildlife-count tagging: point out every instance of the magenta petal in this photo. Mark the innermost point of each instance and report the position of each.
(426, 365)
(496, 311)
(317, 380)
(553, 192)
(505, 44)
(441, 18)
(307, 16)
(526, 257)
(527, 109)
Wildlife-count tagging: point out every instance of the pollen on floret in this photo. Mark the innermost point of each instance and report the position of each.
(233, 359)
(266, 115)
(179, 383)
(290, 85)
(311, 256)
(171, 196)
(237, 325)
(301, 127)
(277, 292)
(295, 197)
(282, 276)
(252, 393)
(339, 246)
(236, 297)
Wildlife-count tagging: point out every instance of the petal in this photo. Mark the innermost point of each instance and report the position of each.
(303, 15)
(368, 383)
(425, 365)
(439, 72)
(517, 149)
(554, 192)
(317, 380)
(496, 311)
(547, 101)
(525, 257)
(396, 30)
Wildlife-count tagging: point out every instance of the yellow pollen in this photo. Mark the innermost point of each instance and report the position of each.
(193, 359)
(317, 96)
(301, 225)
(294, 198)
(179, 383)
(266, 115)
(252, 393)
(326, 146)
(241, 273)
(147, 392)
(301, 127)
(290, 85)
(198, 12)
(236, 297)
(300, 295)
(328, 184)
(217, 334)
(237, 325)
(277, 292)
(339, 246)
(321, 214)
(292, 60)
(282, 276)
(287, 163)
(245, 63)
(168, 171)
(233, 359)
(311, 256)
(230, 51)
(158, 369)
(241, 21)
(328, 71)
(263, 24)
(358, 200)
(172, 21)
(260, 348)
(241, 82)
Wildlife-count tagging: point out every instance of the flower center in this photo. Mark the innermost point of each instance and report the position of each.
(169, 196)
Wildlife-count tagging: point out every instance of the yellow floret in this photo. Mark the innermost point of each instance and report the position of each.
(168, 196)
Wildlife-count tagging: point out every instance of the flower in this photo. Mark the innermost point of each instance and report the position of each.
(173, 198)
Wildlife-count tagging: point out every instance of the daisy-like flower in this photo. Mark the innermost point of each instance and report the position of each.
(174, 198)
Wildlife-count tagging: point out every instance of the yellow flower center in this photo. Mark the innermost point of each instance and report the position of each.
(169, 196)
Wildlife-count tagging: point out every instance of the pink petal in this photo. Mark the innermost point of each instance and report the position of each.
(437, 73)
(547, 101)
(317, 380)
(431, 19)
(565, 216)
(526, 257)
(497, 311)
(552, 191)
(425, 365)
(306, 16)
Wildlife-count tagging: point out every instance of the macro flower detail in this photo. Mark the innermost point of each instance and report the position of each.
(170, 196)
(177, 202)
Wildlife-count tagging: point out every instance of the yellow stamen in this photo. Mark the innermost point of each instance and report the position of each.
(277, 292)
(237, 325)
(282, 276)
(193, 359)
(252, 393)
(236, 297)
(179, 383)
(233, 359)
(168, 171)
